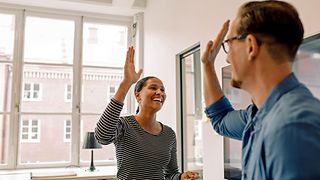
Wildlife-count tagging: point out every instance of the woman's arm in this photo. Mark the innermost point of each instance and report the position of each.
(109, 127)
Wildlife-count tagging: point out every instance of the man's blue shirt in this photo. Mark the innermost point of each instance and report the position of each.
(281, 140)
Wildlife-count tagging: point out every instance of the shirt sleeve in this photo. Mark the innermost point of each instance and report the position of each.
(225, 120)
(110, 127)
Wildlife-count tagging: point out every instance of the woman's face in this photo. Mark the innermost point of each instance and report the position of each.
(152, 95)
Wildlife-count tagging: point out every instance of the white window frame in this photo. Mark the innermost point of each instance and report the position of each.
(32, 91)
(30, 126)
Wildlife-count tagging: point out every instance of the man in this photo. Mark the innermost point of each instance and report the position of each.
(280, 130)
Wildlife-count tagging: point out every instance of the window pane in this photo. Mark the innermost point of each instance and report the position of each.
(49, 40)
(51, 94)
(43, 143)
(232, 148)
(194, 121)
(5, 87)
(7, 24)
(4, 140)
(106, 154)
(27, 86)
(104, 45)
(96, 83)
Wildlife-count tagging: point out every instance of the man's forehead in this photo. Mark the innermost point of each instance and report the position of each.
(234, 26)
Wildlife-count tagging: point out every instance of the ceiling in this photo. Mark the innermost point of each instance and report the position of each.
(114, 7)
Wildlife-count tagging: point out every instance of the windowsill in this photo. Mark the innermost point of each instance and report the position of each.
(103, 172)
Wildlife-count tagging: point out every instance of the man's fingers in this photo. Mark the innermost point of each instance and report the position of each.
(222, 33)
(206, 52)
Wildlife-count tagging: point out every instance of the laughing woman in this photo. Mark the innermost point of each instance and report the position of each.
(145, 148)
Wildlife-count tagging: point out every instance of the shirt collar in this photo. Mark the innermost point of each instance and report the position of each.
(283, 87)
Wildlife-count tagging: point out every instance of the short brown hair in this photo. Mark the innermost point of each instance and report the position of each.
(275, 23)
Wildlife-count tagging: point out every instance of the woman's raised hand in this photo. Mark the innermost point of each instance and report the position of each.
(130, 74)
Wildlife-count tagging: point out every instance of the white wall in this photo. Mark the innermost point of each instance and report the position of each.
(174, 25)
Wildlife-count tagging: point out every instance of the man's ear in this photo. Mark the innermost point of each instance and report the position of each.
(252, 46)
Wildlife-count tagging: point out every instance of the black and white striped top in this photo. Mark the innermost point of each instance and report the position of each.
(140, 155)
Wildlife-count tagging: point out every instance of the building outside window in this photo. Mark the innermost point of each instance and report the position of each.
(67, 130)
(30, 131)
(32, 92)
(68, 93)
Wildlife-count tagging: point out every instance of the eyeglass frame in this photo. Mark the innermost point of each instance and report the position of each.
(238, 37)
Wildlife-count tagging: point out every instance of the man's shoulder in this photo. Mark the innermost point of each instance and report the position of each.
(299, 101)
(293, 109)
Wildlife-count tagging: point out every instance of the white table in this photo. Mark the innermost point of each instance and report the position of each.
(107, 173)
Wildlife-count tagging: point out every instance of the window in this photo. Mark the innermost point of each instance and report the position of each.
(111, 92)
(48, 60)
(7, 32)
(61, 84)
(189, 110)
(67, 130)
(102, 73)
(30, 131)
(31, 92)
(68, 93)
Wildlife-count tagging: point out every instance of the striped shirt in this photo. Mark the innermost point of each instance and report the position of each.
(140, 155)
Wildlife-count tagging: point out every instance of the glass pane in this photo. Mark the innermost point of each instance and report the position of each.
(106, 154)
(4, 140)
(49, 40)
(104, 45)
(7, 24)
(96, 83)
(5, 86)
(46, 41)
(50, 97)
(44, 140)
(306, 66)
(193, 122)
(5, 105)
(232, 148)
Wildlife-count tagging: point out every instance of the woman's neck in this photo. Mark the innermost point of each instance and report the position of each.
(148, 122)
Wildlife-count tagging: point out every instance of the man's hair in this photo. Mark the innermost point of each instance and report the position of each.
(275, 23)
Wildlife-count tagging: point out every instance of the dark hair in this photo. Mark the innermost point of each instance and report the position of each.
(275, 23)
(140, 84)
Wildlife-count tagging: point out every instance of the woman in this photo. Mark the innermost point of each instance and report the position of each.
(145, 148)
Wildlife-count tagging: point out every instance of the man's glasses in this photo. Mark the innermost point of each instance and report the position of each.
(225, 43)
